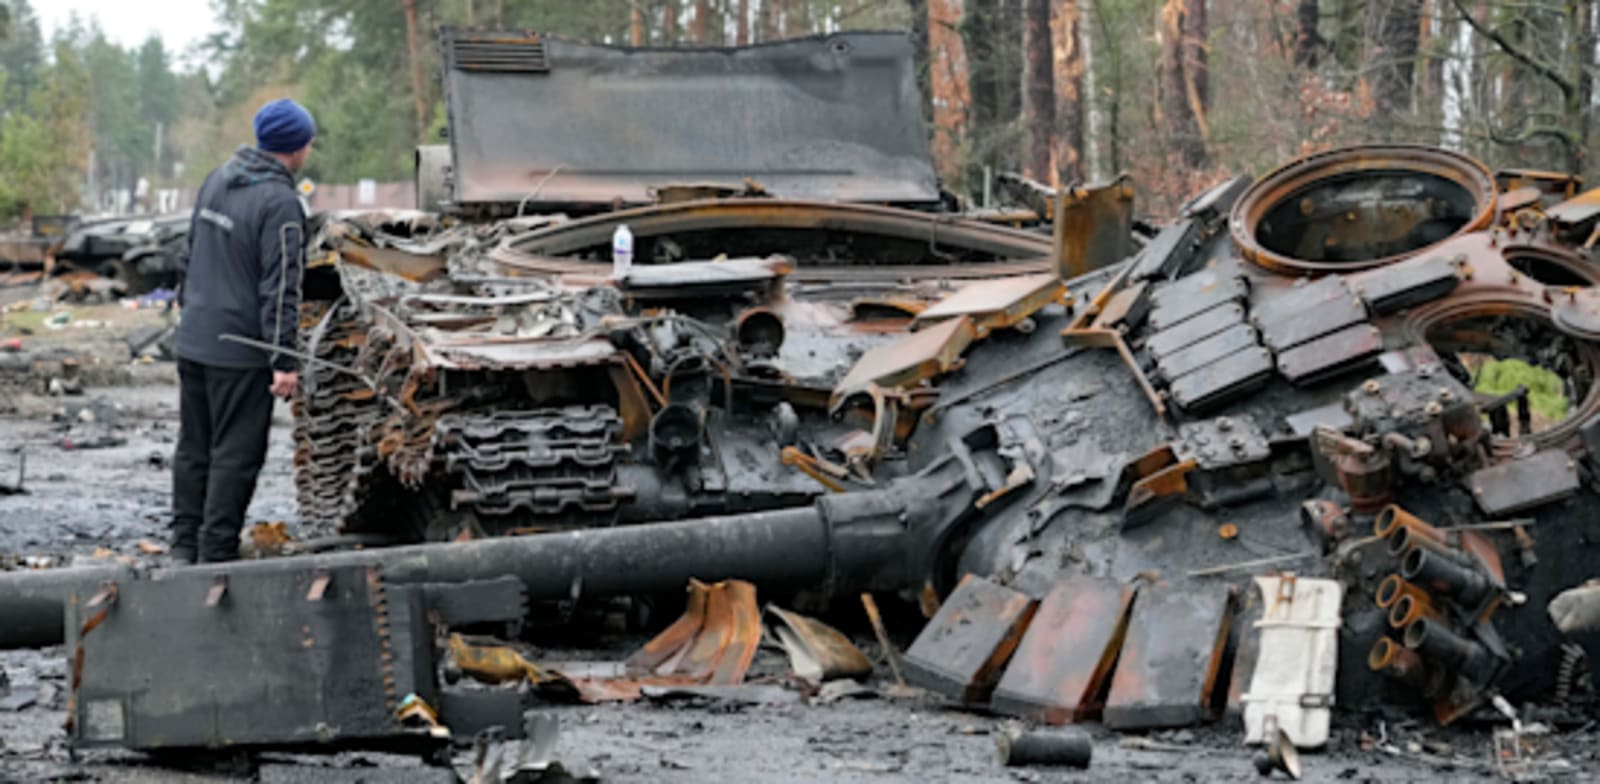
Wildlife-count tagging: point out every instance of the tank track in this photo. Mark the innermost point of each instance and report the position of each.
(551, 467)
(333, 414)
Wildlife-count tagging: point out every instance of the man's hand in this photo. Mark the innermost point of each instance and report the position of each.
(283, 384)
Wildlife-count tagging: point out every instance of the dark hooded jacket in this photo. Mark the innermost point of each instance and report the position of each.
(243, 271)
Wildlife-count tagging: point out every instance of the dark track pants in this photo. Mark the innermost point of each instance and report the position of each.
(224, 416)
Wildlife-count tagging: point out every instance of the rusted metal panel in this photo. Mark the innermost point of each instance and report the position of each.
(1063, 666)
(1236, 338)
(1171, 662)
(1517, 485)
(1093, 226)
(1578, 209)
(911, 359)
(1399, 286)
(1194, 330)
(1222, 380)
(1128, 307)
(996, 304)
(962, 650)
(1194, 295)
(833, 117)
(1330, 355)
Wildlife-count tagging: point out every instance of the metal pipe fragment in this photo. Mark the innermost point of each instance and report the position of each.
(1392, 517)
(1070, 748)
(1435, 642)
(1439, 573)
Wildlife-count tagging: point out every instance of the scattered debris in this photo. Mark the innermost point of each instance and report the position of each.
(1068, 748)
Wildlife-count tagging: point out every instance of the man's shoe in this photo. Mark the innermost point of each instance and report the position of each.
(182, 556)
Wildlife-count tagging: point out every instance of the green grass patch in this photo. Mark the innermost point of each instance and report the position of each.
(1546, 392)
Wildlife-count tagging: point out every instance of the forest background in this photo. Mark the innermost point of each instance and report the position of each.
(1175, 93)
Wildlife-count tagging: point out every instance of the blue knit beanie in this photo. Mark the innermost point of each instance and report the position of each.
(284, 126)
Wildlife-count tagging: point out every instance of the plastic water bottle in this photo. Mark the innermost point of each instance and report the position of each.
(621, 252)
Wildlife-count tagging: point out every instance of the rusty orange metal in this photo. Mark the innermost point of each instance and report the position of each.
(712, 643)
(1093, 226)
(997, 304)
(910, 360)
(1294, 179)
(963, 649)
(1062, 668)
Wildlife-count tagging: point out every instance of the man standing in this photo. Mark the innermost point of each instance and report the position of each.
(241, 277)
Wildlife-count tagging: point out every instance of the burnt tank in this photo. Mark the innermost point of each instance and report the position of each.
(480, 371)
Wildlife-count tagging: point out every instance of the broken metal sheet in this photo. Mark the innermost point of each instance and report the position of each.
(1578, 209)
(909, 360)
(817, 651)
(713, 642)
(1218, 201)
(159, 667)
(1307, 313)
(962, 650)
(414, 267)
(1396, 287)
(1126, 308)
(1523, 484)
(1221, 381)
(1168, 673)
(1213, 349)
(1194, 295)
(1291, 686)
(1205, 325)
(1093, 226)
(520, 353)
(1169, 251)
(833, 117)
(1331, 354)
(1063, 665)
(1222, 442)
(997, 304)
(704, 278)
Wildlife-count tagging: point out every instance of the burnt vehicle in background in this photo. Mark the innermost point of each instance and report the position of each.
(140, 252)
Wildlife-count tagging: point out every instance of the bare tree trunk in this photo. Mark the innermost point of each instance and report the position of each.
(1069, 66)
(742, 29)
(636, 24)
(1393, 27)
(767, 18)
(1038, 89)
(669, 22)
(414, 59)
(1196, 71)
(702, 10)
(1308, 42)
(948, 84)
(1178, 89)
